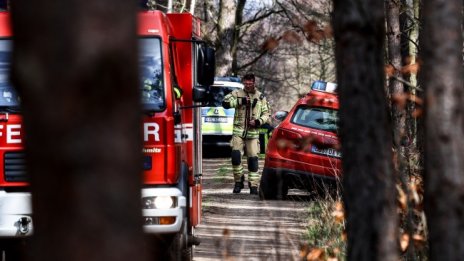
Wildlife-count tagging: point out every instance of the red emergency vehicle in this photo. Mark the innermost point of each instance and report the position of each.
(175, 68)
(303, 151)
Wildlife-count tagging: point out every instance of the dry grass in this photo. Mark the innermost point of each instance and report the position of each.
(325, 238)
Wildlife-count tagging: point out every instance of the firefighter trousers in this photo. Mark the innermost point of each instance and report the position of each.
(240, 145)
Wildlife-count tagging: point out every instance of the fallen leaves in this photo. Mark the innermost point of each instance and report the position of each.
(317, 254)
(338, 213)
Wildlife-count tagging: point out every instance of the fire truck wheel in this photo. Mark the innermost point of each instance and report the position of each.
(179, 250)
(187, 253)
(10, 251)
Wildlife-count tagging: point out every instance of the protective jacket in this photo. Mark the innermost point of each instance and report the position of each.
(255, 108)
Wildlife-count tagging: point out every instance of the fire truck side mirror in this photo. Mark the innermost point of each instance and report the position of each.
(206, 65)
(199, 93)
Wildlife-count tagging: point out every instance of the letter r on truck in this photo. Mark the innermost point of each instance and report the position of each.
(150, 129)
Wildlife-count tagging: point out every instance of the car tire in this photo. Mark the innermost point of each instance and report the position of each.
(268, 185)
(282, 187)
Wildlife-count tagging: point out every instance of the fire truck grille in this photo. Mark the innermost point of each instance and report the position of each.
(15, 167)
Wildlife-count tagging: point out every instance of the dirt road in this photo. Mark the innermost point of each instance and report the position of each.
(242, 227)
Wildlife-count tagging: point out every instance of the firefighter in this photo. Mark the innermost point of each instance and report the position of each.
(251, 111)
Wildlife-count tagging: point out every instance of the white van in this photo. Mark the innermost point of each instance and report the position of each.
(217, 122)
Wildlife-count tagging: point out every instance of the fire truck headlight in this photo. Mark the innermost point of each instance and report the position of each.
(148, 202)
(159, 202)
(164, 202)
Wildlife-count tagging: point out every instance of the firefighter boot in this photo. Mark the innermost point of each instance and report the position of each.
(254, 190)
(239, 185)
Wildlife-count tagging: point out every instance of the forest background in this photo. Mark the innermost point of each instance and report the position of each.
(398, 64)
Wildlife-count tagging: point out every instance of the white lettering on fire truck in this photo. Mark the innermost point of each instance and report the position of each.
(13, 134)
(151, 129)
(152, 150)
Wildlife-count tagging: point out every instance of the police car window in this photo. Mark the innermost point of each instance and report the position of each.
(151, 65)
(317, 118)
(217, 95)
(8, 96)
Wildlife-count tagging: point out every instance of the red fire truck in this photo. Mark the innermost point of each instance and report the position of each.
(175, 67)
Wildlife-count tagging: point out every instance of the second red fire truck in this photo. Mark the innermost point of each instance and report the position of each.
(175, 67)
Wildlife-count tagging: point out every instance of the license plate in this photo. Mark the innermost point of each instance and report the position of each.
(328, 152)
(216, 119)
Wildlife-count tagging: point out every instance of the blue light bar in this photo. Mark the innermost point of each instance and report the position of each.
(324, 86)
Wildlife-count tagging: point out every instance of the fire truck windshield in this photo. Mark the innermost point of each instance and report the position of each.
(151, 70)
(8, 96)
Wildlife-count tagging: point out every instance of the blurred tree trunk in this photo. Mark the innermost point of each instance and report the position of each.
(368, 178)
(75, 66)
(442, 76)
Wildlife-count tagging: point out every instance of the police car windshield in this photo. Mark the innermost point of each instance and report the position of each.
(217, 95)
(9, 100)
(325, 119)
(151, 70)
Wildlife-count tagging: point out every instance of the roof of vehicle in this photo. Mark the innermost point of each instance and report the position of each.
(322, 94)
(228, 79)
(227, 84)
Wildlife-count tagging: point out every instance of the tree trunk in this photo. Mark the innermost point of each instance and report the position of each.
(226, 31)
(365, 131)
(442, 77)
(234, 47)
(414, 127)
(75, 66)
(394, 59)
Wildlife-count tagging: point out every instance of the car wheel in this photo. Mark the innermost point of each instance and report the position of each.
(282, 189)
(268, 185)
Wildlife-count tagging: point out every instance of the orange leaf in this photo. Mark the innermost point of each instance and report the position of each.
(304, 249)
(412, 65)
(399, 99)
(338, 213)
(270, 44)
(404, 242)
(419, 241)
(310, 26)
(402, 198)
(415, 99)
(344, 236)
(314, 33)
(291, 37)
(328, 31)
(315, 254)
(389, 70)
(339, 216)
(417, 113)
